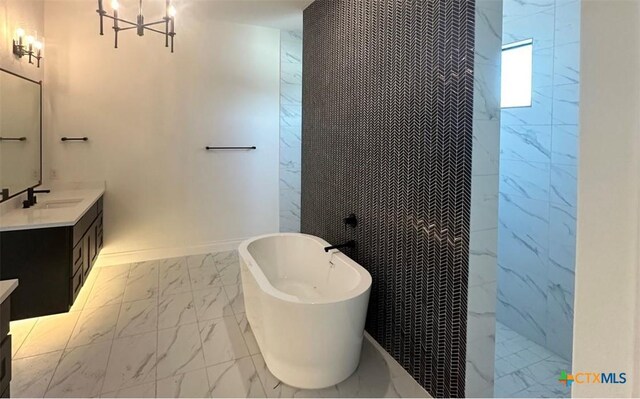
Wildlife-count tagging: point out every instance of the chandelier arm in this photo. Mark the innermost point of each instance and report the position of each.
(121, 20)
(155, 30)
(154, 23)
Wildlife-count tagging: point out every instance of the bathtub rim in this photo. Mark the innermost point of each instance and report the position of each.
(363, 286)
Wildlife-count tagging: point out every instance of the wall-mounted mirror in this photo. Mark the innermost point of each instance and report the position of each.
(20, 134)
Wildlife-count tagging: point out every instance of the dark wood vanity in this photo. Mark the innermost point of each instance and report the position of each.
(51, 263)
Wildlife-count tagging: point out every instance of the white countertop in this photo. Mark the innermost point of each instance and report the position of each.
(39, 216)
(6, 288)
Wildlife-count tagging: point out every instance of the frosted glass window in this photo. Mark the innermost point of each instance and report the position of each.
(517, 59)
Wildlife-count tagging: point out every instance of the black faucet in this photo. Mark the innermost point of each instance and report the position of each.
(31, 198)
(348, 244)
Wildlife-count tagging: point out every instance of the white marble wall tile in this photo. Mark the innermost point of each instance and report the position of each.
(137, 317)
(31, 375)
(290, 94)
(480, 366)
(193, 384)
(525, 179)
(486, 147)
(560, 320)
(566, 64)
(81, 372)
(538, 114)
(179, 351)
(567, 27)
(484, 202)
(486, 92)
(222, 340)
(49, 334)
(523, 237)
(291, 73)
(291, 51)
(543, 66)
(564, 145)
(488, 32)
(132, 362)
(564, 185)
(524, 8)
(538, 26)
(235, 379)
(176, 310)
(483, 257)
(562, 224)
(520, 320)
(565, 104)
(525, 143)
(95, 325)
(481, 317)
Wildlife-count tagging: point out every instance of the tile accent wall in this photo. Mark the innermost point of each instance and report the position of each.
(388, 135)
(290, 129)
(538, 178)
(483, 259)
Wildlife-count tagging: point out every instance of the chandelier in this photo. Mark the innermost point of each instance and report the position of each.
(120, 24)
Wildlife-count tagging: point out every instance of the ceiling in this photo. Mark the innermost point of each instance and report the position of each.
(279, 14)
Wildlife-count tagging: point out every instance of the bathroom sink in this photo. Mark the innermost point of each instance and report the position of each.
(56, 204)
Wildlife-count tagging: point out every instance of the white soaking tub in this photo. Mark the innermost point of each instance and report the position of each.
(307, 314)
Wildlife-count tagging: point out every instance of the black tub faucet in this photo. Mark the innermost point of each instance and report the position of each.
(348, 244)
(351, 220)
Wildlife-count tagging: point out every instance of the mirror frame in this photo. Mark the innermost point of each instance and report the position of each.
(39, 83)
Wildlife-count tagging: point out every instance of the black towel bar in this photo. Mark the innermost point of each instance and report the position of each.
(13, 139)
(74, 139)
(231, 148)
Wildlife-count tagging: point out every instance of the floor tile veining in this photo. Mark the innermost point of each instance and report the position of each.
(525, 369)
(169, 328)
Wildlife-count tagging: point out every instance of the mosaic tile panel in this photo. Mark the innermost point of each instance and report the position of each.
(387, 134)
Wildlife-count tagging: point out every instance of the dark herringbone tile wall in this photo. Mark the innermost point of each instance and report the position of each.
(387, 135)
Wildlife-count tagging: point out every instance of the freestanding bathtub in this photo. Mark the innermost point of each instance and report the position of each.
(306, 307)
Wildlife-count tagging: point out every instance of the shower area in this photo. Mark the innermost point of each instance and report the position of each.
(537, 197)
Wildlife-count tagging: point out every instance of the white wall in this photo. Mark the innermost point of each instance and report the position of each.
(481, 310)
(607, 238)
(28, 15)
(25, 14)
(149, 114)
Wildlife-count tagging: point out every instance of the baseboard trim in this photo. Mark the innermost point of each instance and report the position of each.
(118, 258)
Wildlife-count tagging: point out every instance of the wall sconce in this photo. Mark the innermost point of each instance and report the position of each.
(32, 48)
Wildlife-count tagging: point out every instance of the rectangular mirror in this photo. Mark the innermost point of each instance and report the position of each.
(20, 134)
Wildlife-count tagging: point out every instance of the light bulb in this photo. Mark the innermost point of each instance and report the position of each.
(38, 45)
(115, 5)
(20, 32)
(172, 11)
(30, 39)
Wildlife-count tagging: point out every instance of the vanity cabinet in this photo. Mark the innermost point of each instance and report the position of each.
(5, 349)
(51, 263)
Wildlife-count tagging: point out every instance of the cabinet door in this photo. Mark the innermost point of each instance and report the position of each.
(88, 243)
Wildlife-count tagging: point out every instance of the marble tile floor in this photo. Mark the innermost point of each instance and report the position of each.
(169, 328)
(525, 369)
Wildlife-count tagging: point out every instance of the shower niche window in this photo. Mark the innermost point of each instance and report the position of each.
(517, 70)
